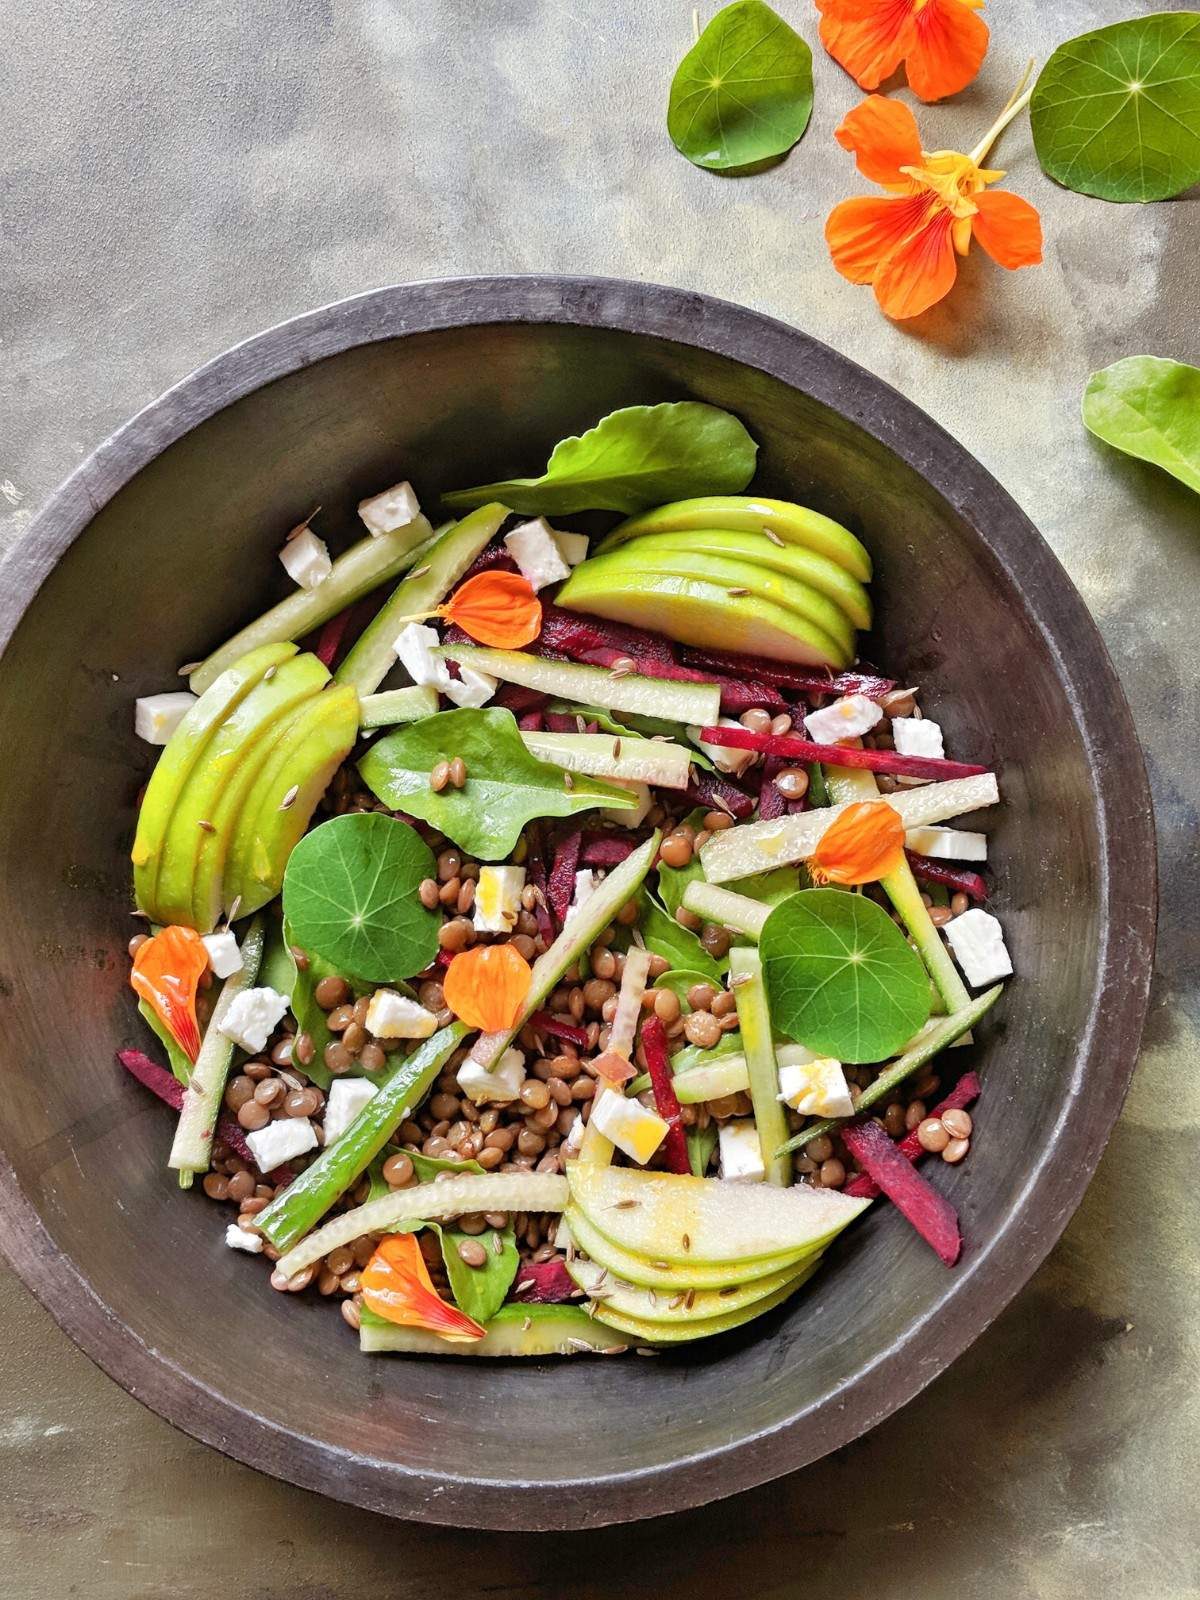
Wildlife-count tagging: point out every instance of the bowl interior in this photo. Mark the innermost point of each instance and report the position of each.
(186, 552)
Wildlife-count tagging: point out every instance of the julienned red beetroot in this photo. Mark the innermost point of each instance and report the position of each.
(930, 1213)
(964, 1093)
(530, 721)
(771, 803)
(785, 676)
(794, 748)
(561, 886)
(515, 697)
(560, 722)
(605, 850)
(718, 794)
(535, 871)
(492, 558)
(545, 1283)
(959, 878)
(658, 1065)
(545, 1023)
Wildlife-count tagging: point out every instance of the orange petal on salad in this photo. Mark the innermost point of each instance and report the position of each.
(497, 608)
(951, 42)
(396, 1285)
(920, 271)
(883, 137)
(486, 987)
(862, 233)
(862, 845)
(166, 974)
(1009, 229)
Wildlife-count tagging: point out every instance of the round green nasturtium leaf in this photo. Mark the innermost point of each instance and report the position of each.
(1116, 113)
(841, 978)
(350, 897)
(744, 91)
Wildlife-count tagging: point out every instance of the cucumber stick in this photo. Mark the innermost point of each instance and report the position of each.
(515, 1330)
(600, 755)
(736, 911)
(397, 705)
(698, 703)
(364, 567)
(770, 1118)
(438, 567)
(191, 1147)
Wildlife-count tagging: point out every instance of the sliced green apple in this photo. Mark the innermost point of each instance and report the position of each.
(752, 513)
(702, 614)
(681, 1219)
(684, 1305)
(652, 1272)
(180, 756)
(700, 1327)
(285, 795)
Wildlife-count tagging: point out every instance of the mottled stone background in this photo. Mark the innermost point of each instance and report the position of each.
(178, 176)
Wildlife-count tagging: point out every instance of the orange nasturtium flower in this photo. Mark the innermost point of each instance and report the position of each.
(863, 845)
(396, 1285)
(487, 986)
(907, 245)
(166, 974)
(497, 608)
(941, 42)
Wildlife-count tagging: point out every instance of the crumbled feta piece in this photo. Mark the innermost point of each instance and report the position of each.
(346, 1098)
(948, 844)
(252, 1018)
(501, 1084)
(394, 508)
(498, 898)
(723, 757)
(634, 1130)
(470, 688)
(224, 957)
(633, 816)
(816, 1089)
(306, 559)
(391, 1015)
(532, 546)
(977, 940)
(847, 718)
(740, 1152)
(414, 649)
(917, 736)
(585, 885)
(572, 547)
(281, 1141)
(242, 1239)
(156, 716)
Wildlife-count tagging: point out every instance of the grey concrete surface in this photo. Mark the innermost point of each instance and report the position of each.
(176, 177)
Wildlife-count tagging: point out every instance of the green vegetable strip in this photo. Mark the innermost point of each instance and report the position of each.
(745, 970)
(437, 568)
(818, 794)
(301, 1205)
(363, 567)
(902, 890)
(397, 705)
(190, 1150)
(935, 1039)
(736, 911)
(451, 1197)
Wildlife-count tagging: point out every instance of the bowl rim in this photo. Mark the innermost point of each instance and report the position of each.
(1126, 879)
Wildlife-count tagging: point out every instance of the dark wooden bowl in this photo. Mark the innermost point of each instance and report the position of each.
(165, 540)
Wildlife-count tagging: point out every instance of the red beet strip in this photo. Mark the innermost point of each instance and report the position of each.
(560, 722)
(535, 871)
(515, 697)
(930, 1213)
(784, 676)
(169, 1090)
(544, 1283)
(329, 640)
(840, 755)
(545, 1023)
(492, 558)
(658, 1065)
(964, 1093)
(561, 886)
(718, 794)
(771, 803)
(605, 850)
(570, 632)
(530, 721)
(959, 878)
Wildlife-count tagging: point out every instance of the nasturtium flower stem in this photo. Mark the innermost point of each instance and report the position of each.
(1017, 102)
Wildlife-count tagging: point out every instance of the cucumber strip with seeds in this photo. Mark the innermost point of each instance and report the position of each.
(568, 680)
(515, 1330)
(731, 910)
(397, 705)
(770, 1118)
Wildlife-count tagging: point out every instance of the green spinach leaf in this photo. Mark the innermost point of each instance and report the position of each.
(633, 726)
(1150, 408)
(672, 881)
(506, 786)
(350, 897)
(773, 887)
(637, 457)
(701, 1142)
(679, 945)
(744, 91)
(480, 1291)
(841, 977)
(1116, 113)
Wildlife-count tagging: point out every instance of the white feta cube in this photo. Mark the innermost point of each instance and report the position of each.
(977, 940)
(500, 1084)
(847, 718)
(572, 547)
(532, 546)
(724, 757)
(391, 1015)
(634, 1130)
(498, 898)
(414, 649)
(632, 816)
(242, 1239)
(816, 1089)
(470, 688)
(346, 1098)
(585, 885)
(156, 716)
(224, 957)
(947, 844)
(394, 508)
(917, 736)
(252, 1018)
(281, 1141)
(740, 1152)
(306, 559)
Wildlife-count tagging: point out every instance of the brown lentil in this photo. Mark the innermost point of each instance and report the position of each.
(331, 992)
(237, 1091)
(932, 1135)
(716, 939)
(957, 1124)
(940, 916)
(893, 1120)
(819, 1149)
(303, 1049)
(216, 1186)
(701, 1028)
(253, 1116)
(723, 1004)
(666, 1005)
(832, 1174)
(792, 783)
(700, 996)
(458, 772)
(676, 850)
(439, 777)
(958, 904)
(717, 821)
(688, 919)
(757, 721)
(258, 1070)
(956, 1150)
(340, 1018)
(914, 1115)
(269, 1092)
